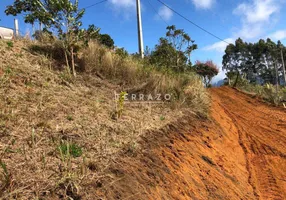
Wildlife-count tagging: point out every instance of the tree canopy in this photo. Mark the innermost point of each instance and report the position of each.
(258, 62)
(207, 70)
(174, 50)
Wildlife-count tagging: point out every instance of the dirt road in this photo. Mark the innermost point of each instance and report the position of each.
(262, 136)
(239, 153)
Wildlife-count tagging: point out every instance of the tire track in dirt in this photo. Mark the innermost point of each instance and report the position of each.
(262, 137)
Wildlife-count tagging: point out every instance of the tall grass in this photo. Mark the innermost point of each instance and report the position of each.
(136, 77)
(271, 93)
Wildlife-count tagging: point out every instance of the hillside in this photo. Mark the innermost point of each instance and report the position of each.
(238, 154)
(59, 138)
(59, 134)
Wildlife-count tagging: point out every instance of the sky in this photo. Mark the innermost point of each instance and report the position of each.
(227, 19)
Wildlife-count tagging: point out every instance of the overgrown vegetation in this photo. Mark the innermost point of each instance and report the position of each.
(272, 93)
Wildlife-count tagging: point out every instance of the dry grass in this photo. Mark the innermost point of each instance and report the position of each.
(41, 109)
(133, 77)
(268, 92)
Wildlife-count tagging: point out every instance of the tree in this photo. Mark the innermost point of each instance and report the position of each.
(206, 70)
(64, 16)
(181, 42)
(106, 40)
(164, 54)
(173, 51)
(236, 58)
(258, 62)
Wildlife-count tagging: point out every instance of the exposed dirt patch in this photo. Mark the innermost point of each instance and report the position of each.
(238, 154)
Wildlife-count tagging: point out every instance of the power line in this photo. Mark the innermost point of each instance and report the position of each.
(154, 9)
(95, 4)
(203, 29)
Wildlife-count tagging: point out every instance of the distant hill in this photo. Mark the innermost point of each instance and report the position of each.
(218, 83)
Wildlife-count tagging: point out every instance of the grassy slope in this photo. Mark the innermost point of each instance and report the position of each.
(41, 109)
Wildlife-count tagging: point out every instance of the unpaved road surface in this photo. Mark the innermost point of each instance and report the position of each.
(262, 136)
(238, 154)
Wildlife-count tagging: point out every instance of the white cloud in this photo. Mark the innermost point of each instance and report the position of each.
(127, 8)
(219, 46)
(203, 4)
(257, 10)
(278, 35)
(123, 3)
(256, 17)
(165, 13)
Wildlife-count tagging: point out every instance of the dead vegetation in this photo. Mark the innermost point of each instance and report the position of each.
(57, 133)
(135, 77)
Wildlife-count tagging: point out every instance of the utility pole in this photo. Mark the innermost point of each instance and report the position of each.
(283, 66)
(277, 77)
(16, 26)
(140, 31)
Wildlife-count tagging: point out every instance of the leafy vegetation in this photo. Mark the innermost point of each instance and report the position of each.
(72, 149)
(257, 67)
(256, 62)
(64, 16)
(173, 51)
(207, 70)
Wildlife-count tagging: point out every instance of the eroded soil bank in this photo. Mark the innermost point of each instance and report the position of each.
(239, 153)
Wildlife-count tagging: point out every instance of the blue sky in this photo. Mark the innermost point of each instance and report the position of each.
(228, 19)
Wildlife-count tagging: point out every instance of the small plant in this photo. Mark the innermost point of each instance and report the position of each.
(6, 175)
(70, 118)
(19, 55)
(162, 118)
(10, 44)
(120, 103)
(66, 77)
(8, 70)
(70, 149)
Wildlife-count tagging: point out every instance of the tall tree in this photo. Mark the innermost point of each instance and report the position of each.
(257, 62)
(174, 50)
(236, 58)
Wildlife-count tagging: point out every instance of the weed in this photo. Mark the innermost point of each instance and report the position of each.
(6, 175)
(162, 118)
(19, 55)
(67, 150)
(70, 118)
(66, 77)
(8, 70)
(120, 104)
(10, 44)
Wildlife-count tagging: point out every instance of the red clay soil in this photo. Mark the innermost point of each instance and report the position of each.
(239, 153)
